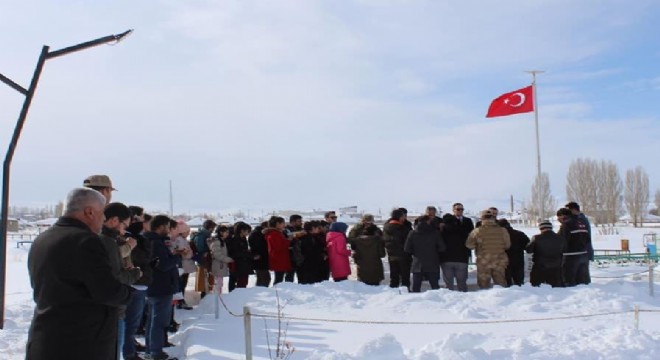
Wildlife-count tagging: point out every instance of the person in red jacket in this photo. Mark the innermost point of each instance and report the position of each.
(338, 251)
(279, 260)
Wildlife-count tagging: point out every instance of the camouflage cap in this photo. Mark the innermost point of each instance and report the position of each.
(98, 181)
(485, 214)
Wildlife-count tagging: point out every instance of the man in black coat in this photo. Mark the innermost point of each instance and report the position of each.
(578, 241)
(425, 245)
(454, 261)
(141, 257)
(515, 271)
(395, 233)
(164, 284)
(75, 291)
(548, 249)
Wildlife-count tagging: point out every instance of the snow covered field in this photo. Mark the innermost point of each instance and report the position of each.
(499, 323)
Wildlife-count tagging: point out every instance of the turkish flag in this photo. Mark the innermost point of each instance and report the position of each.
(515, 102)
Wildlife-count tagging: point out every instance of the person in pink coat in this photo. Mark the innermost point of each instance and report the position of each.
(338, 252)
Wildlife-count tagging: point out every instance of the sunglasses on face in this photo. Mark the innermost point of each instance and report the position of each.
(459, 209)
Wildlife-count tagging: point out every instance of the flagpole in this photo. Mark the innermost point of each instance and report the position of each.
(538, 142)
(536, 119)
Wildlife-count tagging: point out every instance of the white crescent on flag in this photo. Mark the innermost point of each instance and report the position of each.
(508, 100)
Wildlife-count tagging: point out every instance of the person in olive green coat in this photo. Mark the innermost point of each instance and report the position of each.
(368, 249)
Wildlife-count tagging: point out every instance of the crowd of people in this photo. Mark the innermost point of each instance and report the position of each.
(106, 271)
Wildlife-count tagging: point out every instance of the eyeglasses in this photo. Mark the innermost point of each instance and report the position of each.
(333, 217)
(459, 209)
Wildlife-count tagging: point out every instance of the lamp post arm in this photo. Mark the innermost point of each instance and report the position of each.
(88, 44)
(13, 85)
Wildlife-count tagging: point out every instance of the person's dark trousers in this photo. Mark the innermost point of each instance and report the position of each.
(543, 275)
(142, 328)
(400, 272)
(515, 274)
(289, 276)
(279, 277)
(134, 311)
(183, 282)
(263, 278)
(455, 270)
(576, 270)
(159, 318)
(232, 281)
(433, 277)
(242, 281)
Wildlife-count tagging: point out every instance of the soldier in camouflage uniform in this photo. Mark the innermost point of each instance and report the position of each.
(490, 242)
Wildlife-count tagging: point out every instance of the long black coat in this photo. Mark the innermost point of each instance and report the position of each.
(76, 295)
(516, 252)
(548, 249)
(259, 246)
(455, 234)
(367, 253)
(237, 249)
(394, 236)
(425, 245)
(314, 265)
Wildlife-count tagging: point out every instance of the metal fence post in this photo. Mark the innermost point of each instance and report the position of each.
(651, 284)
(247, 323)
(636, 309)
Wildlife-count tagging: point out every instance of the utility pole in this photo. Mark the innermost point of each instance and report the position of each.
(171, 201)
(46, 54)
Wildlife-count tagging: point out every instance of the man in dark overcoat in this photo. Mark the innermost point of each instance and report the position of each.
(75, 291)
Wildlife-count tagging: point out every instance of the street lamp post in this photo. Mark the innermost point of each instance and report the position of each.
(46, 54)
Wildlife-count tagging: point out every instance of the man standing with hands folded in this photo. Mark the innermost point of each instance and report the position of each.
(75, 290)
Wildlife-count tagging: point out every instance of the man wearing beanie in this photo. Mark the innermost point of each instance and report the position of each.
(548, 249)
(490, 242)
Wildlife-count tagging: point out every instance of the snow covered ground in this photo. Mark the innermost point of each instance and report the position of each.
(515, 323)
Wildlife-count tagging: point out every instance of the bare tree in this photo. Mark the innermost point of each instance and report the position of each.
(656, 211)
(597, 187)
(610, 191)
(542, 204)
(581, 185)
(637, 194)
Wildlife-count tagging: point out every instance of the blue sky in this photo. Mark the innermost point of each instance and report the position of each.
(321, 104)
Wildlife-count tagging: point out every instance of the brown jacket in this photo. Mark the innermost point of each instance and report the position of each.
(489, 239)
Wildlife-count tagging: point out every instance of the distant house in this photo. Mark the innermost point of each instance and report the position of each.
(12, 225)
(45, 223)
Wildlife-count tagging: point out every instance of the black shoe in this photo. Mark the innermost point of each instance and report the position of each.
(139, 347)
(183, 306)
(140, 331)
(168, 344)
(174, 327)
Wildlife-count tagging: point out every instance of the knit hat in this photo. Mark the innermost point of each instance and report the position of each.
(545, 225)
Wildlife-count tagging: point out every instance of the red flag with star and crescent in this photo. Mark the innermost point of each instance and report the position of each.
(514, 102)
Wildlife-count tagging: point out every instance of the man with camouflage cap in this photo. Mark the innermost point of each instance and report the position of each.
(490, 242)
(102, 184)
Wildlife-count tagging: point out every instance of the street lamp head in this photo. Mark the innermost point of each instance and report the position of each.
(120, 37)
